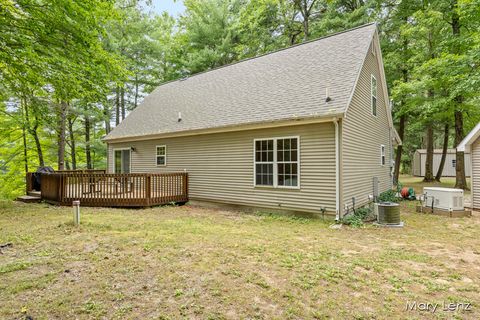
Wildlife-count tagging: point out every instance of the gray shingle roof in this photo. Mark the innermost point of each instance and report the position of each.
(285, 84)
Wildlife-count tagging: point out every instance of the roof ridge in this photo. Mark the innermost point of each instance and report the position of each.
(269, 53)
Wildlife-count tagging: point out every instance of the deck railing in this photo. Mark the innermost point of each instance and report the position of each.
(82, 171)
(111, 189)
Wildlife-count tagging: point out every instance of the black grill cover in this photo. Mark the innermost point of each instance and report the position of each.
(37, 176)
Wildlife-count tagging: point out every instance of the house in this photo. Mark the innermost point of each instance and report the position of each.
(471, 144)
(307, 128)
(420, 157)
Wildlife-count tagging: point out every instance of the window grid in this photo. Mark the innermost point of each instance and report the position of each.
(277, 162)
(287, 162)
(161, 155)
(264, 155)
(382, 155)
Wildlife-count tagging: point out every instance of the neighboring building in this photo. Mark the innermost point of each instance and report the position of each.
(420, 157)
(471, 144)
(307, 128)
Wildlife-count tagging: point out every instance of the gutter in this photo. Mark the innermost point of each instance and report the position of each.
(328, 117)
(337, 170)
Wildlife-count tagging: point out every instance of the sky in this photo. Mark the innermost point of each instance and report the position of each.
(171, 6)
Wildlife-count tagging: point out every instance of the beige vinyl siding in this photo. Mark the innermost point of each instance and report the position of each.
(475, 163)
(220, 166)
(363, 134)
(416, 164)
(448, 169)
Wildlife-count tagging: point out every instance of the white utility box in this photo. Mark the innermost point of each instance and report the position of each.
(444, 198)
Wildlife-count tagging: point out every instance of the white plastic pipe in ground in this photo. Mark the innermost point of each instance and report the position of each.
(76, 212)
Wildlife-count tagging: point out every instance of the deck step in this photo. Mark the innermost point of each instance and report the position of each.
(34, 193)
(29, 199)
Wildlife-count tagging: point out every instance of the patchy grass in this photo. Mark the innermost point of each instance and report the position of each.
(417, 183)
(186, 262)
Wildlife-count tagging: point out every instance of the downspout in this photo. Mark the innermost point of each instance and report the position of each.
(337, 170)
(390, 158)
(390, 144)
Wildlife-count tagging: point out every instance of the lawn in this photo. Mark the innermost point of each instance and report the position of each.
(188, 262)
(418, 184)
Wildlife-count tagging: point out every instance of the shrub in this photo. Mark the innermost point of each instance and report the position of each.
(355, 219)
(362, 212)
(388, 196)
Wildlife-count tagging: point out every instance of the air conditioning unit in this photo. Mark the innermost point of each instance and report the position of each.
(444, 198)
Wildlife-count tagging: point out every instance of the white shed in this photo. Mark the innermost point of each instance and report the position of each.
(471, 144)
(420, 157)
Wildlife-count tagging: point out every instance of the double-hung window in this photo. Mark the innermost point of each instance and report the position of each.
(374, 95)
(264, 162)
(277, 162)
(382, 155)
(161, 155)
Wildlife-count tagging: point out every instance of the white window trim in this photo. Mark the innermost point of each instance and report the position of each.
(156, 155)
(121, 159)
(371, 96)
(383, 156)
(275, 168)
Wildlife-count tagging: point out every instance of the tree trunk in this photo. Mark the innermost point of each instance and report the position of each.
(117, 106)
(305, 11)
(403, 118)
(444, 153)
(33, 130)
(106, 113)
(87, 143)
(306, 32)
(62, 119)
(122, 97)
(136, 90)
(72, 143)
(460, 179)
(38, 145)
(429, 161)
(25, 152)
(398, 155)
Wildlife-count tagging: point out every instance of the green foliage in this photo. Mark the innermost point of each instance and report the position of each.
(363, 212)
(357, 218)
(353, 221)
(388, 196)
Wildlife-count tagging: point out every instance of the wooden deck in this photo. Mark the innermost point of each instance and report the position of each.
(113, 190)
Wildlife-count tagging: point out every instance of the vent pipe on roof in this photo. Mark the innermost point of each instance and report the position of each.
(327, 95)
(179, 116)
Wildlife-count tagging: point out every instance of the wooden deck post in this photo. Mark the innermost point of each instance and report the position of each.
(185, 186)
(61, 189)
(148, 189)
(29, 182)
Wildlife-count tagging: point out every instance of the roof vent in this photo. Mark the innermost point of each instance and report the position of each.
(179, 116)
(327, 95)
